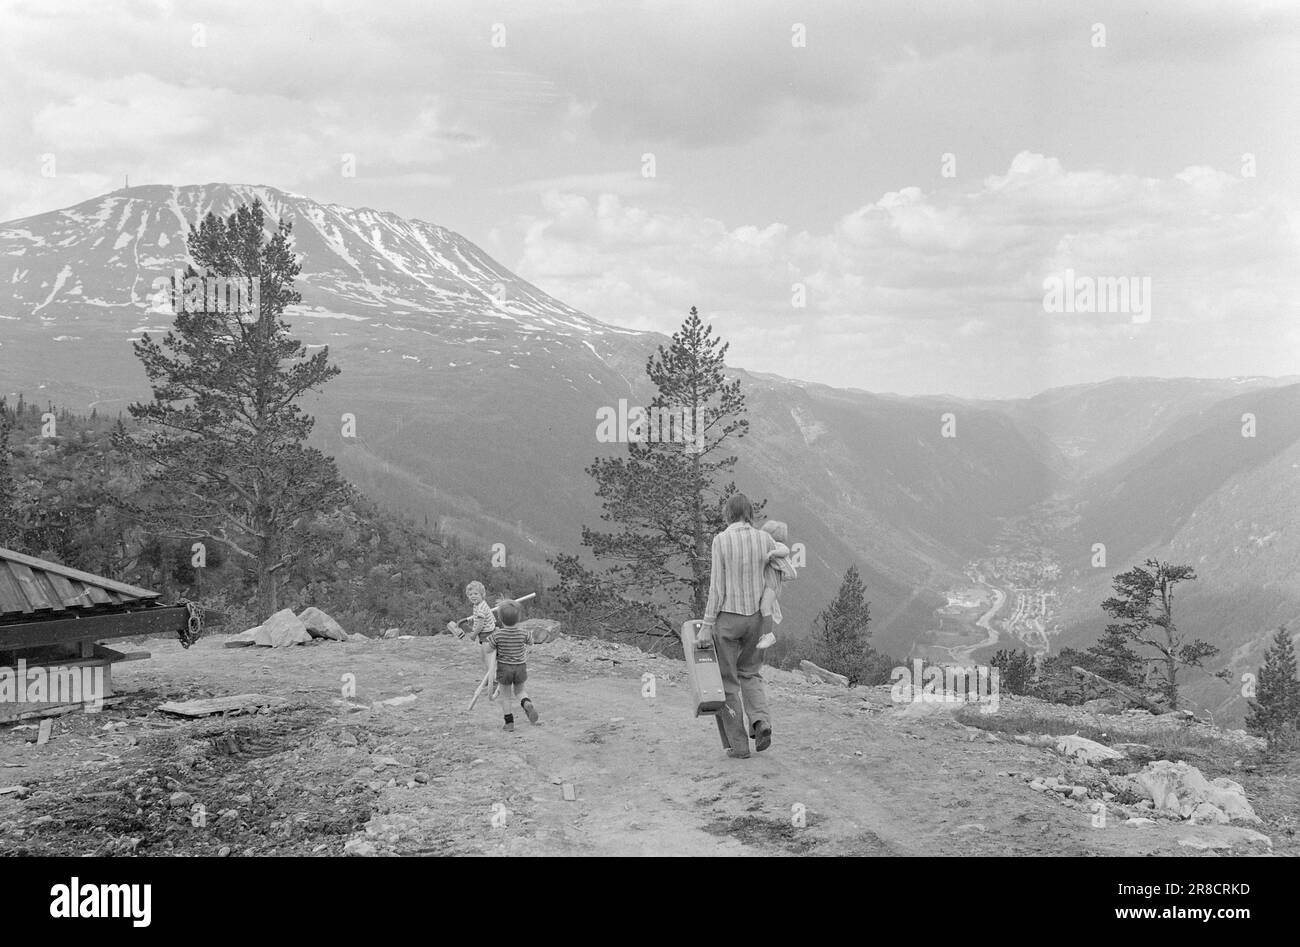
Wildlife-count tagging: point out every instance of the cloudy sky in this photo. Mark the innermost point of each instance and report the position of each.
(919, 169)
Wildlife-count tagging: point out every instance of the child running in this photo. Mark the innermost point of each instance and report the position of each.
(510, 647)
(777, 570)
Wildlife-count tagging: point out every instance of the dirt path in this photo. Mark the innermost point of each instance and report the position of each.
(873, 779)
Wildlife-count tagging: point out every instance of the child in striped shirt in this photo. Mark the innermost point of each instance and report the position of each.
(510, 647)
(482, 623)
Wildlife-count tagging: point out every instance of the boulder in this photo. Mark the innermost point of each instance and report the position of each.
(392, 632)
(1084, 750)
(1179, 788)
(821, 674)
(542, 629)
(284, 629)
(1207, 813)
(320, 625)
(360, 848)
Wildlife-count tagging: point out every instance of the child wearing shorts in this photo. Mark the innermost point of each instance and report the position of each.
(509, 645)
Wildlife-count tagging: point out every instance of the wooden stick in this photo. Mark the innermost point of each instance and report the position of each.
(522, 598)
(479, 690)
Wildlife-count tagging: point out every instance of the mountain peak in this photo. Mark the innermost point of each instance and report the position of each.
(106, 252)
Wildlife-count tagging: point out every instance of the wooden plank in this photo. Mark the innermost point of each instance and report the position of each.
(27, 582)
(43, 734)
(131, 590)
(49, 591)
(63, 709)
(97, 595)
(219, 705)
(142, 621)
(12, 599)
(70, 595)
(117, 657)
(570, 794)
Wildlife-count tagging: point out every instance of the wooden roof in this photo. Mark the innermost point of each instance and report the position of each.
(33, 589)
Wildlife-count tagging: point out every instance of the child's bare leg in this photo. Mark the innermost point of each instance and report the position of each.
(767, 633)
(490, 668)
(525, 702)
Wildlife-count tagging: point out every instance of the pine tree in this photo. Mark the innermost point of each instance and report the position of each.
(9, 527)
(667, 494)
(1145, 601)
(1113, 659)
(223, 441)
(1275, 711)
(840, 637)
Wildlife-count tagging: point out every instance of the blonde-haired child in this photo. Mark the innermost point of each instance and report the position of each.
(776, 570)
(482, 624)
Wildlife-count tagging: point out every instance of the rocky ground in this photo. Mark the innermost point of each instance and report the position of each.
(333, 771)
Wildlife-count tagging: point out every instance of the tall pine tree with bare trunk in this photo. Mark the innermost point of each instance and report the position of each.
(223, 442)
(666, 495)
(1143, 607)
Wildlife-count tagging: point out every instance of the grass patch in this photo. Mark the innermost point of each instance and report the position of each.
(1212, 756)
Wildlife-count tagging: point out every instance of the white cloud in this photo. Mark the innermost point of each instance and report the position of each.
(953, 282)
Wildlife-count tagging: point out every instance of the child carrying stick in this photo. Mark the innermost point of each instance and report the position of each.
(482, 624)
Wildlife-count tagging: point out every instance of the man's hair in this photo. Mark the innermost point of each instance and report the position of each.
(508, 612)
(739, 508)
(475, 586)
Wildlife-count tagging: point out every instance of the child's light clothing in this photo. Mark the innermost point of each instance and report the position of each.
(483, 622)
(776, 570)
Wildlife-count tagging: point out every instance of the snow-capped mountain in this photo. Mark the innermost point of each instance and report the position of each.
(100, 259)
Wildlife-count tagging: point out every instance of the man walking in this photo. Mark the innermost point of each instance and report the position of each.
(733, 624)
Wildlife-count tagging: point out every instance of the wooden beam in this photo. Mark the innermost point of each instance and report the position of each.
(143, 621)
(116, 657)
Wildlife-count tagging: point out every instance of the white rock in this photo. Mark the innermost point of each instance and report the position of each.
(1208, 814)
(284, 629)
(1179, 788)
(542, 629)
(320, 625)
(360, 848)
(830, 677)
(395, 701)
(1084, 750)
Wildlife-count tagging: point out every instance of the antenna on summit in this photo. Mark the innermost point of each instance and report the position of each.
(126, 182)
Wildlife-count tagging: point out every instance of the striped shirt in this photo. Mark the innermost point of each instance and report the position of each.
(484, 621)
(510, 644)
(736, 578)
